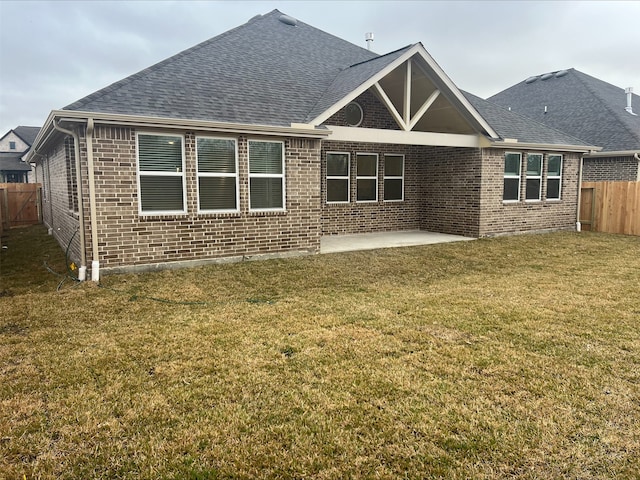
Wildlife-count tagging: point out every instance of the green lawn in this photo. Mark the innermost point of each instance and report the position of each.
(512, 357)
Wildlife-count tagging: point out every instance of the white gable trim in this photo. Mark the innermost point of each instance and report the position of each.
(392, 109)
(336, 107)
(415, 50)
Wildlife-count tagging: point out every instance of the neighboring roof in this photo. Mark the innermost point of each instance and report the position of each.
(578, 104)
(510, 125)
(10, 161)
(27, 134)
(265, 72)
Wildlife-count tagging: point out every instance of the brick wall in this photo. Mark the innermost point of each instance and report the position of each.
(380, 216)
(366, 217)
(498, 217)
(612, 169)
(53, 172)
(451, 186)
(374, 114)
(127, 238)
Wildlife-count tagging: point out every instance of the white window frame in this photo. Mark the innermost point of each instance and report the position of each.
(518, 176)
(218, 175)
(392, 177)
(339, 177)
(555, 177)
(533, 177)
(282, 176)
(362, 177)
(182, 174)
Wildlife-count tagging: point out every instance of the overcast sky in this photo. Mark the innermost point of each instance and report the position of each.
(55, 52)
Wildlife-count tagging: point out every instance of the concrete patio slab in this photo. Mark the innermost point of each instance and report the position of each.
(370, 241)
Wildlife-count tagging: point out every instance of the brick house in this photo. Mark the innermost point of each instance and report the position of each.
(264, 139)
(588, 108)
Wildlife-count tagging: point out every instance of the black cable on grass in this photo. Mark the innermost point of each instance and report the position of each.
(66, 261)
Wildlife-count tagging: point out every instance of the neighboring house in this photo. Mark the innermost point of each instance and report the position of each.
(266, 138)
(14, 146)
(588, 108)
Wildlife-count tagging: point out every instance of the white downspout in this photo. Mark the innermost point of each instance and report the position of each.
(578, 224)
(635, 155)
(82, 271)
(95, 263)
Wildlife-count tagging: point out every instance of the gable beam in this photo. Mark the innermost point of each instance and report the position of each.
(407, 95)
(423, 109)
(396, 115)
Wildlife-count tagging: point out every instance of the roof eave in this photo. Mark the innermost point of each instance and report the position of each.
(75, 116)
(545, 146)
(617, 153)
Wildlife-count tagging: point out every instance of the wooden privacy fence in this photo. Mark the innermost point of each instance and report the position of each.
(20, 204)
(611, 207)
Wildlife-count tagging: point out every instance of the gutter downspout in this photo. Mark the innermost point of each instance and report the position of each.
(635, 155)
(95, 263)
(82, 271)
(578, 224)
(48, 185)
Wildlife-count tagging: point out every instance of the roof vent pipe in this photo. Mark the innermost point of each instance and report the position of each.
(629, 92)
(369, 38)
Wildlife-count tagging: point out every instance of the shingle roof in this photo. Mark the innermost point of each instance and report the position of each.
(11, 161)
(270, 72)
(512, 125)
(263, 72)
(580, 105)
(28, 134)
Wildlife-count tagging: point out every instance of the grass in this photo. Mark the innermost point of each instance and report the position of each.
(512, 357)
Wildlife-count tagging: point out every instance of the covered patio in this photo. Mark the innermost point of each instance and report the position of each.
(372, 241)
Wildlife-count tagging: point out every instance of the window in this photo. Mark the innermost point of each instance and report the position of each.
(12, 145)
(72, 183)
(393, 178)
(554, 176)
(511, 177)
(367, 177)
(534, 177)
(161, 178)
(217, 174)
(266, 175)
(338, 168)
(14, 177)
(353, 114)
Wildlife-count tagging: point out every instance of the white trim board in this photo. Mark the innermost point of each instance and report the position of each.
(401, 137)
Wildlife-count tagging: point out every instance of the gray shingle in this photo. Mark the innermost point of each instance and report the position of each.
(28, 134)
(262, 72)
(10, 161)
(512, 125)
(580, 105)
